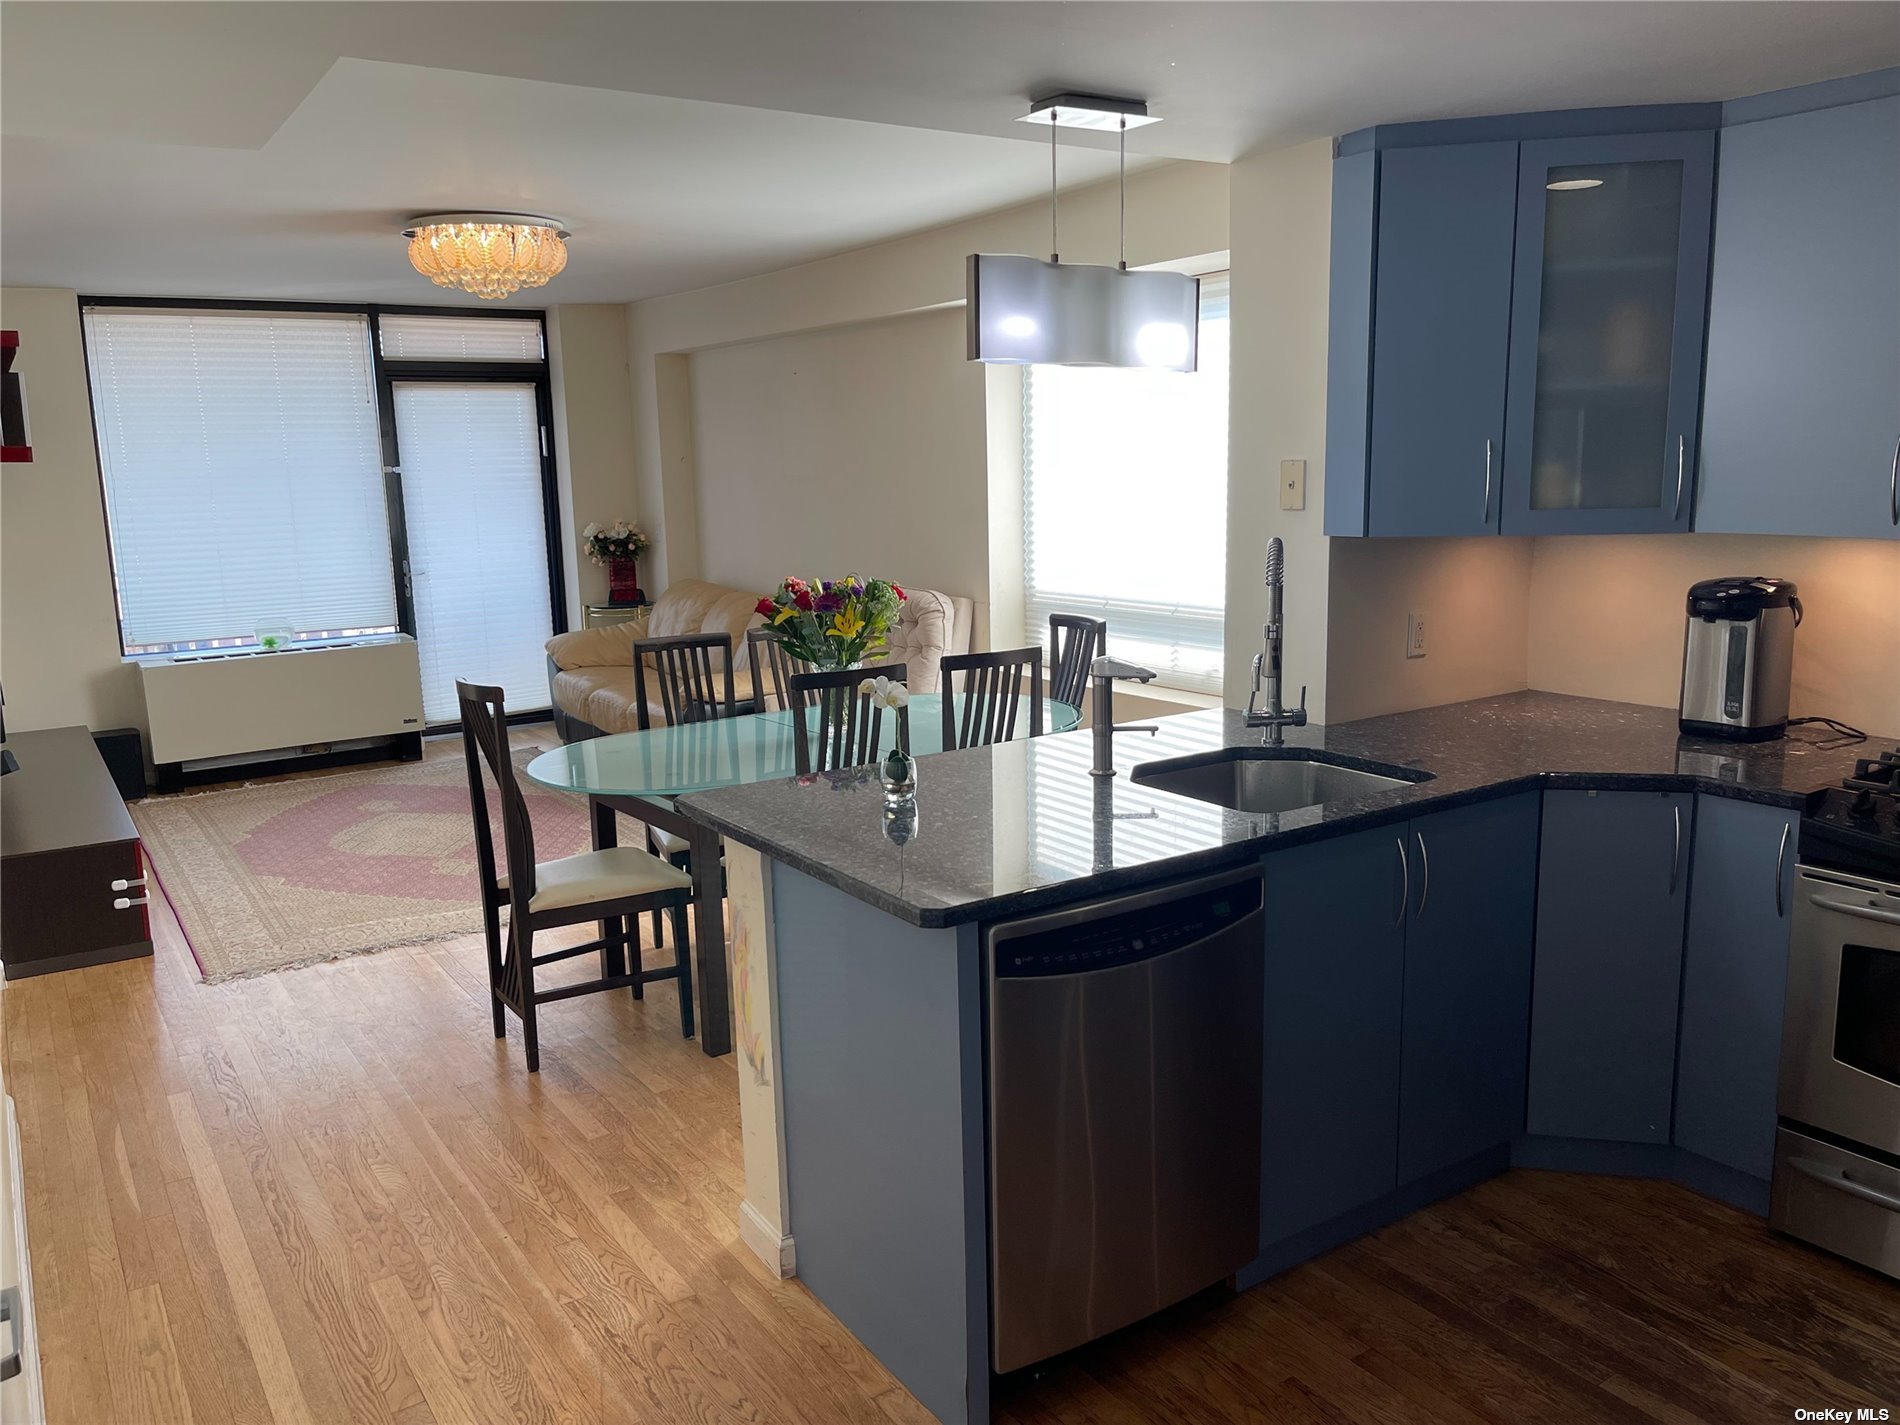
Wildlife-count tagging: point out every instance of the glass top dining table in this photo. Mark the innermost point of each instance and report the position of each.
(754, 747)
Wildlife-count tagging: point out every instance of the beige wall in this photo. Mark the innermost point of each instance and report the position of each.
(59, 633)
(1474, 597)
(593, 441)
(1606, 617)
(1175, 211)
(851, 448)
(1281, 225)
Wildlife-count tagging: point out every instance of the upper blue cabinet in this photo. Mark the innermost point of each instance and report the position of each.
(1801, 416)
(1608, 294)
(1524, 309)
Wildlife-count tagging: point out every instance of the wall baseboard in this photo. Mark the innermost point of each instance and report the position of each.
(767, 1244)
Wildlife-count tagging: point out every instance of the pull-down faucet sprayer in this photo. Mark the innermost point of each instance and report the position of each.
(1267, 663)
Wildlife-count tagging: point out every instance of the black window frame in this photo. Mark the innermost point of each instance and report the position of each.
(385, 373)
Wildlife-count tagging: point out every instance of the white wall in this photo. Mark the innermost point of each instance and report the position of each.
(59, 633)
(1175, 211)
(850, 448)
(1606, 617)
(1280, 221)
(593, 439)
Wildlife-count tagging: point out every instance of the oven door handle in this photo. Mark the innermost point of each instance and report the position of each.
(1887, 917)
(1830, 1176)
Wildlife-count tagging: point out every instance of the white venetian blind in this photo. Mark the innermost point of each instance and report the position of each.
(243, 474)
(1125, 503)
(452, 338)
(471, 482)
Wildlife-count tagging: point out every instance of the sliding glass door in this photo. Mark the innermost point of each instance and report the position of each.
(474, 507)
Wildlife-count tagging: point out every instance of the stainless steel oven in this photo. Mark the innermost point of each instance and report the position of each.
(1837, 1159)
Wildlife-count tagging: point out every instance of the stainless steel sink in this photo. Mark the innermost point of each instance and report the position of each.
(1270, 779)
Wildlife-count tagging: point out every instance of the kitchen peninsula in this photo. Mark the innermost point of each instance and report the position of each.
(1528, 830)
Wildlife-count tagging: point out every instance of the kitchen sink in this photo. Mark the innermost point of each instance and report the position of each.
(1267, 779)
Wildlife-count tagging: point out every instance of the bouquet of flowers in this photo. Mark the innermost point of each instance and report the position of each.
(835, 623)
(619, 540)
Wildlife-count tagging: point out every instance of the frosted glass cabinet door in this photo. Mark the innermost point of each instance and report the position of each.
(1609, 293)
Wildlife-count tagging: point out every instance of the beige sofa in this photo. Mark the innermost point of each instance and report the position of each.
(590, 672)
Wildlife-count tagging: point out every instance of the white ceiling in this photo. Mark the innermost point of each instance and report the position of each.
(272, 149)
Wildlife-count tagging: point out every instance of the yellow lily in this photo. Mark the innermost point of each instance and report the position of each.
(784, 614)
(847, 624)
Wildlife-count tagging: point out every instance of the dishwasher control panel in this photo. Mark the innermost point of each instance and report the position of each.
(1126, 937)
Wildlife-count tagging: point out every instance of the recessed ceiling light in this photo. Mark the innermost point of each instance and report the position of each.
(1571, 185)
(1090, 111)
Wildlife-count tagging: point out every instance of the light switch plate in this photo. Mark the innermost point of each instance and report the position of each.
(1415, 634)
(1292, 484)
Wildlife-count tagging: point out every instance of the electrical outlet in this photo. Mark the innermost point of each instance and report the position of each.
(1415, 635)
(1292, 484)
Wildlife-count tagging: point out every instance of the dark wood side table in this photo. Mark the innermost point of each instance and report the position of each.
(72, 879)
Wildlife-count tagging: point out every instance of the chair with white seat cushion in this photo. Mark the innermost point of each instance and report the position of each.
(614, 886)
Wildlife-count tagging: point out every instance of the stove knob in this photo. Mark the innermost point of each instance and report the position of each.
(1863, 807)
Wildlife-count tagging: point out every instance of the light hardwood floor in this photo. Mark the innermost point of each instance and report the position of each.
(330, 1196)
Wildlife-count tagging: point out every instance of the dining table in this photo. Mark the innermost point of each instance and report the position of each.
(638, 774)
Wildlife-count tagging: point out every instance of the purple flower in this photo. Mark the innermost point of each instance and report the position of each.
(828, 602)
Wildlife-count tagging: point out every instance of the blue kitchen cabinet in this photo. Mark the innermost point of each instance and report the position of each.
(1612, 893)
(1467, 1004)
(1801, 414)
(1442, 318)
(1609, 296)
(1734, 975)
(1335, 947)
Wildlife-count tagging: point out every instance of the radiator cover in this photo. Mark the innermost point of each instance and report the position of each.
(223, 706)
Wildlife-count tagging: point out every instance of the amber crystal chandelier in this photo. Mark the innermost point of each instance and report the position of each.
(491, 255)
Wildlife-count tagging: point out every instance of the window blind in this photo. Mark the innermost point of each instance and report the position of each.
(1125, 503)
(243, 474)
(471, 484)
(452, 338)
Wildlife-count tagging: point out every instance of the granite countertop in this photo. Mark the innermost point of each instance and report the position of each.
(1023, 826)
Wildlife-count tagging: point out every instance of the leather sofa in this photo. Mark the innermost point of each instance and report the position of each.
(590, 671)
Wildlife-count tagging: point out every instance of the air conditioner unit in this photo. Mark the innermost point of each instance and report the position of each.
(226, 707)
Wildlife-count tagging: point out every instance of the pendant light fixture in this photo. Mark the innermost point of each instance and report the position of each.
(1025, 311)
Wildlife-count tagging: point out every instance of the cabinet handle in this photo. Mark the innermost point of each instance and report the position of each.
(1425, 866)
(1893, 484)
(127, 902)
(1486, 521)
(1405, 880)
(1781, 859)
(125, 885)
(1675, 850)
(1682, 462)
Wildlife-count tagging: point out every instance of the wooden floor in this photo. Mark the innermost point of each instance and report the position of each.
(330, 1196)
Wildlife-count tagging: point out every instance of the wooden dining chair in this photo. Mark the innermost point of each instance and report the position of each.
(1074, 643)
(614, 886)
(992, 692)
(692, 676)
(772, 665)
(838, 725)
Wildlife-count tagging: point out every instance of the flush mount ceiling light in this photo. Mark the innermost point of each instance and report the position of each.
(1025, 311)
(1572, 185)
(489, 255)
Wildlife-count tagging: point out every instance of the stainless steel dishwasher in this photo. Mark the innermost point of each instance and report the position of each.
(1124, 1109)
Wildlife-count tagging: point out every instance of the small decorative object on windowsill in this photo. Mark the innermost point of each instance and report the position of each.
(275, 639)
(618, 547)
(833, 623)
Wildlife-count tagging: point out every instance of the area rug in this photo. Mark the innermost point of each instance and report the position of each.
(276, 875)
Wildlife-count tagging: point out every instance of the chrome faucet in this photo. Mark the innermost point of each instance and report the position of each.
(1102, 675)
(1275, 715)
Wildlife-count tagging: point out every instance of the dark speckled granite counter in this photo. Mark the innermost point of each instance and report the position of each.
(1023, 826)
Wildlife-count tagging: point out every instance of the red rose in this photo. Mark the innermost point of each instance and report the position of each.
(803, 599)
(901, 595)
(766, 607)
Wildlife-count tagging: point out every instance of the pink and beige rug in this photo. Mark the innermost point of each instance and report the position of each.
(275, 875)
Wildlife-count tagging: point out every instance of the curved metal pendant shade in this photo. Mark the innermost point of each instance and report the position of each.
(1024, 311)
